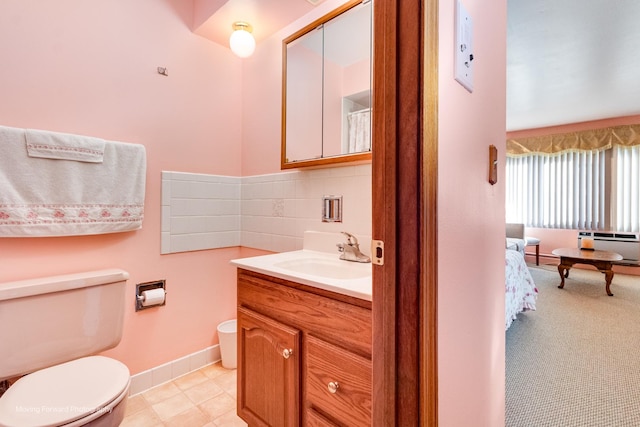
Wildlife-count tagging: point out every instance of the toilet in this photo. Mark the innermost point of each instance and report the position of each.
(50, 332)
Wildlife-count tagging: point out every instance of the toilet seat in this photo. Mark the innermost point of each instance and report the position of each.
(71, 393)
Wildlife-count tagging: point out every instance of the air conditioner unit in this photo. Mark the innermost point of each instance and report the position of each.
(625, 244)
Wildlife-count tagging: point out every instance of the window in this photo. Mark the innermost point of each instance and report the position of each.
(564, 190)
(587, 180)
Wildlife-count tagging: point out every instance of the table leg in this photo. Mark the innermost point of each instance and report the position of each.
(608, 277)
(561, 271)
(607, 269)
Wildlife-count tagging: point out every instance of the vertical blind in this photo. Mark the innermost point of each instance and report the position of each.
(626, 188)
(565, 190)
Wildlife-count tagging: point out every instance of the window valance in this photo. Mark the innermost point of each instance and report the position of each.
(588, 140)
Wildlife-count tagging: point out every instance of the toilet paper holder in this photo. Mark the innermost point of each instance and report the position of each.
(142, 290)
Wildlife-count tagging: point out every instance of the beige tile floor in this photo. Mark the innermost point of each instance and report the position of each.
(203, 398)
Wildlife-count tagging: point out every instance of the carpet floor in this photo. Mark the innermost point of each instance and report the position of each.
(575, 361)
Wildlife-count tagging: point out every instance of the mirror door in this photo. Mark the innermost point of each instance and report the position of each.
(327, 89)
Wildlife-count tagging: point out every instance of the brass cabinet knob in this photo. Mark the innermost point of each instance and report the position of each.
(287, 352)
(333, 386)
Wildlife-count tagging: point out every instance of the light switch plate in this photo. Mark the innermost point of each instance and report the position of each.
(464, 48)
(493, 164)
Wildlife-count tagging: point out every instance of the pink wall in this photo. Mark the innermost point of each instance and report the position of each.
(471, 338)
(90, 68)
(551, 239)
(357, 78)
(262, 108)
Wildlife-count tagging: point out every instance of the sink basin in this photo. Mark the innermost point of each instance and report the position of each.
(334, 269)
(314, 268)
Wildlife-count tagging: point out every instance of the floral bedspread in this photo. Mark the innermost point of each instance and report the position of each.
(520, 290)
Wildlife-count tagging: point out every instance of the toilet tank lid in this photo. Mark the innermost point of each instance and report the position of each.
(42, 285)
(64, 393)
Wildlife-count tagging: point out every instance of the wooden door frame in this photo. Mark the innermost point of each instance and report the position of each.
(405, 212)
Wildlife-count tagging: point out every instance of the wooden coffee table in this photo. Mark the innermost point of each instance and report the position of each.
(602, 260)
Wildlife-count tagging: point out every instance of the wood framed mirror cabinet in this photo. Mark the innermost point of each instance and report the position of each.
(326, 89)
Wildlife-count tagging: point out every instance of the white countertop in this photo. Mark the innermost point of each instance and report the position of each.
(313, 268)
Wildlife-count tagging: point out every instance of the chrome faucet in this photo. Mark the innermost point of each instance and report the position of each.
(351, 250)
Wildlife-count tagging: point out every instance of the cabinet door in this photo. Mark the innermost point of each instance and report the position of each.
(268, 371)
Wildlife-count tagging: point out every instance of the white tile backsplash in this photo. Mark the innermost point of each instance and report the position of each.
(296, 204)
(269, 212)
(199, 212)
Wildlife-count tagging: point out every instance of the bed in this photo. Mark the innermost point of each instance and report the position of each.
(520, 289)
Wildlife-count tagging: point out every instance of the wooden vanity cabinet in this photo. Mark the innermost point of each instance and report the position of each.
(304, 354)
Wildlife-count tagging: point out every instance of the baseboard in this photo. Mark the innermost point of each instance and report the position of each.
(545, 256)
(169, 371)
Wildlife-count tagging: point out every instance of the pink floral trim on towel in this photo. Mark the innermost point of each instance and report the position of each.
(68, 214)
(66, 149)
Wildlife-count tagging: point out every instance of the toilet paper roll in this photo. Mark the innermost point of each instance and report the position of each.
(152, 297)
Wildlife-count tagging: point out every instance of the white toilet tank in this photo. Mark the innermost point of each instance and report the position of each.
(50, 320)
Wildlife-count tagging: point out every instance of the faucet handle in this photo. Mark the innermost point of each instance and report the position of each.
(351, 239)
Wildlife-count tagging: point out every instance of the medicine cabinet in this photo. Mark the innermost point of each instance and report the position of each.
(326, 100)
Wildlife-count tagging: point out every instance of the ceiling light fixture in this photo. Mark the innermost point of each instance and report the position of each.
(241, 41)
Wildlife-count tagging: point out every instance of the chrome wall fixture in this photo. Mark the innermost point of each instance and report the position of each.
(331, 208)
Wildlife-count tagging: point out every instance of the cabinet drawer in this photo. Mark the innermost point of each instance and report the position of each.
(314, 419)
(350, 403)
(343, 324)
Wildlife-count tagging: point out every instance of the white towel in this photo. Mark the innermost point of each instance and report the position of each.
(359, 131)
(45, 197)
(53, 145)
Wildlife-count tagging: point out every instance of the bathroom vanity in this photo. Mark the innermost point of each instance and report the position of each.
(304, 350)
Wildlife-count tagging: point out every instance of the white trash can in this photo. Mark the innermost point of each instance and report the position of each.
(228, 334)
